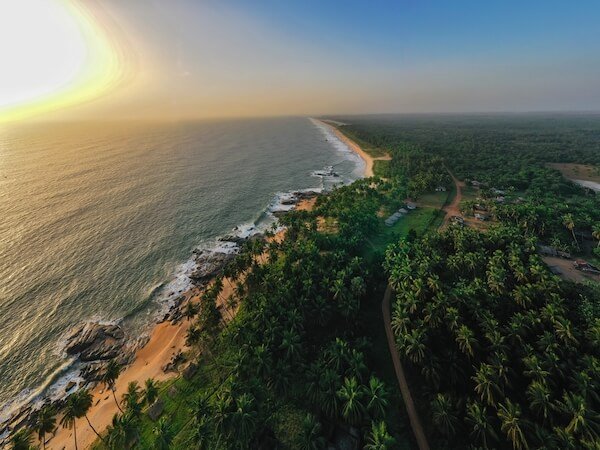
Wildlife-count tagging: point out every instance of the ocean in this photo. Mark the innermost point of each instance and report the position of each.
(98, 222)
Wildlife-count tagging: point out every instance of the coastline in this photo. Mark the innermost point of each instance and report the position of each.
(166, 340)
(368, 159)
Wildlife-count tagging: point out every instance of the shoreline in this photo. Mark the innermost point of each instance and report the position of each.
(353, 146)
(165, 342)
(166, 339)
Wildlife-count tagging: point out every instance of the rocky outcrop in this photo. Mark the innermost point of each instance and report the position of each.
(94, 341)
(209, 264)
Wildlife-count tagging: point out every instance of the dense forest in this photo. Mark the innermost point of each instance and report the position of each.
(499, 352)
(508, 355)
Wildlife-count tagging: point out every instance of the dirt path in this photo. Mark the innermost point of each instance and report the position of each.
(415, 422)
(453, 208)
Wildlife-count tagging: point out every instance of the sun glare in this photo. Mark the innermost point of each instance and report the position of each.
(53, 53)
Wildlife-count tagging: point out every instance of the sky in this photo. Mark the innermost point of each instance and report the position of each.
(187, 59)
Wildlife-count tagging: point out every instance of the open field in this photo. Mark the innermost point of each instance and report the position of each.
(577, 171)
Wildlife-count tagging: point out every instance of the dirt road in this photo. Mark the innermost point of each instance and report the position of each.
(415, 422)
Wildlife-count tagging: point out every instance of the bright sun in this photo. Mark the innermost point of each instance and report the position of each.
(53, 54)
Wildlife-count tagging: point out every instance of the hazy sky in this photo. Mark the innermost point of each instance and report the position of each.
(207, 58)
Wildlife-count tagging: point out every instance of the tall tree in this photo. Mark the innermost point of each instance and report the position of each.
(379, 438)
(44, 422)
(109, 378)
(150, 391)
(163, 434)
(352, 396)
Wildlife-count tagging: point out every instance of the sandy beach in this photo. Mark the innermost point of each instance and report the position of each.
(166, 340)
(368, 159)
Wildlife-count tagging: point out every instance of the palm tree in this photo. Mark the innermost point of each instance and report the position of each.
(466, 340)
(310, 437)
(538, 395)
(511, 423)
(377, 397)
(76, 406)
(123, 432)
(132, 399)
(45, 421)
(85, 401)
(481, 423)
(21, 440)
(109, 378)
(150, 391)
(203, 431)
(443, 415)
(569, 224)
(486, 383)
(244, 418)
(582, 419)
(351, 394)
(291, 344)
(163, 434)
(379, 438)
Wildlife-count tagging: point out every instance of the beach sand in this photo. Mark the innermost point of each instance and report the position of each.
(166, 340)
(368, 159)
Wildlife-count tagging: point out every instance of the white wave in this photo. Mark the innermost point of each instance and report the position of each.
(341, 147)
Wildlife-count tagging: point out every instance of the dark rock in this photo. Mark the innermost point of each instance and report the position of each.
(209, 264)
(70, 385)
(95, 341)
(93, 371)
(155, 410)
(190, 371)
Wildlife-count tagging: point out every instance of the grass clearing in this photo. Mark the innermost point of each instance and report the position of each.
(381, 168)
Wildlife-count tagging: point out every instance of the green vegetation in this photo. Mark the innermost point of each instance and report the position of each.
(499, 352)
(504, 358)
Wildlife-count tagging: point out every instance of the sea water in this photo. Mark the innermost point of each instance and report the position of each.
(98, 221)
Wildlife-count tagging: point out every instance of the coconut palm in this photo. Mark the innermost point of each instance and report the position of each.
(582, 419)
(123, 432)
(486, 383)
(481, 424)
(352, 396)
(85, 400)
(569, 224)
(538, 395)
(163, 434)
(244, 418)
(109, 378)
(376, 397)
(442, 414)
(379, 438)
(311, 437)
(150, 391)
(45, 421)
(21, 440)
(466, 340)
(77, 406)
(132, 399)
(512, 424)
